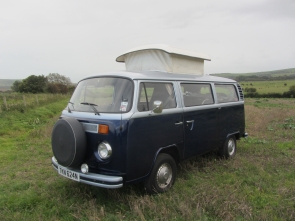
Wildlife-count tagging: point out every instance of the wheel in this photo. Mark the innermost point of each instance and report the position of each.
(229, 148)
(162, 176)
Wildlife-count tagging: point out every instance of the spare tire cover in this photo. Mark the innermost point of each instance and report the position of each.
(68, 142)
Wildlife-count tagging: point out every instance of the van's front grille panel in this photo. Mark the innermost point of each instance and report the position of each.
(240, 92)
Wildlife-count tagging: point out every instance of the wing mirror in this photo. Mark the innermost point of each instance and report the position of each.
(157, 107)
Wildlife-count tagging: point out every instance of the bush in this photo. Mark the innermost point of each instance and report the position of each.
(250, 89)
(57, 88)
(292, 90)
(53, 83)
(268, 95)
(32, 84)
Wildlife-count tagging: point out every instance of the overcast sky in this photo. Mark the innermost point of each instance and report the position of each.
(79, 38)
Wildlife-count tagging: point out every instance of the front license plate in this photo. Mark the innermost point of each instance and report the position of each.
(69, 174)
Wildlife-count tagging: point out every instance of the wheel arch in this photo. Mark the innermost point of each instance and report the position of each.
(171, 150)
(236, 134)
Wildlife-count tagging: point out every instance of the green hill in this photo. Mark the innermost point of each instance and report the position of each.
(284, 74)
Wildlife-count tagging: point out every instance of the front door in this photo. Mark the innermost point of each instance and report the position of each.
(149, 131)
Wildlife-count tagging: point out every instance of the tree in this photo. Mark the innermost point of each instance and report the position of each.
(58, 83)
(56, 88)
(15, 86)
(33, 84)
(56, 78)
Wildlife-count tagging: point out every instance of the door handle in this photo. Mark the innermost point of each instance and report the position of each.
(190, 122)
(179, 123)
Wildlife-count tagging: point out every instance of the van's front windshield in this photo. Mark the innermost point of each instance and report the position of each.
(102, 95)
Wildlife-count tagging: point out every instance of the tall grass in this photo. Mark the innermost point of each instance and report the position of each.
(256, 185)
(15, 101)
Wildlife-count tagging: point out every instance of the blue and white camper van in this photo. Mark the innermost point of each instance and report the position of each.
(137, 125)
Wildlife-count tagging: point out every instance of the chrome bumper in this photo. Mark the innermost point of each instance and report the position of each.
(94, 179)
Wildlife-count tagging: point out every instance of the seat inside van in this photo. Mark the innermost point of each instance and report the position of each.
(161, 93)
(151, 92)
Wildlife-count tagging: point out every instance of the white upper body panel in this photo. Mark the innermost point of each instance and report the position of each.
(163, 76)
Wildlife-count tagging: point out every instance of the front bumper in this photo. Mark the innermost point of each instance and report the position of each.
(94, 179)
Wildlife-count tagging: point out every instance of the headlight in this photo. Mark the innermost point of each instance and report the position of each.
(104, 150)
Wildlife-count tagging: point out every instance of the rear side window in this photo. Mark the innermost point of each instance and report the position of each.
(150, 92)
(226, 93)
(196, 94)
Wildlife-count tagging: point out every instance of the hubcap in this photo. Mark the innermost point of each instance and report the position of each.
(164, 175)
(231, 146)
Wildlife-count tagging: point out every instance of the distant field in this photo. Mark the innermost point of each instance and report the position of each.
(5, 84)
(264, 87)
(5, 88)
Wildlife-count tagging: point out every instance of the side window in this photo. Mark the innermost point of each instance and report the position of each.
(226, 93)
(150, 92)
(196, 94)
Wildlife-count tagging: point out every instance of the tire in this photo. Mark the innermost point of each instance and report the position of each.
(68, 141)
(162, 176)
(229, 148)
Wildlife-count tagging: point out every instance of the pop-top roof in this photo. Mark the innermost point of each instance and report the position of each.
(166, 48)
(164, 58)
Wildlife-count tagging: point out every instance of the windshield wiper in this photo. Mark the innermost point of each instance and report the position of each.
(92, 106)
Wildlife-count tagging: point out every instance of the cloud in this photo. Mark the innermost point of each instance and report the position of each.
(269, 9)
(79, 38)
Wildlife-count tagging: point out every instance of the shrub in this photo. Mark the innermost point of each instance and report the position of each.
(57, 88)
(250, 89)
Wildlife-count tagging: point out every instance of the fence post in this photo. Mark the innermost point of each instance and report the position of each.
(24, 98)
(37, 99)
(5, 103)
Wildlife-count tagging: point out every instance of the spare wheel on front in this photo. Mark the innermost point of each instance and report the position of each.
(68, 141)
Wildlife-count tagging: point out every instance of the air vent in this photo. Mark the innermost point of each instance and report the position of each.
(240, 92)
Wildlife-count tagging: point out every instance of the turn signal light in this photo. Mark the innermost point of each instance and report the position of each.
(103, 129)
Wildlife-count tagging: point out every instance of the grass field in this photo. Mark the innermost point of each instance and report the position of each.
(256, 185)
(264, 87)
